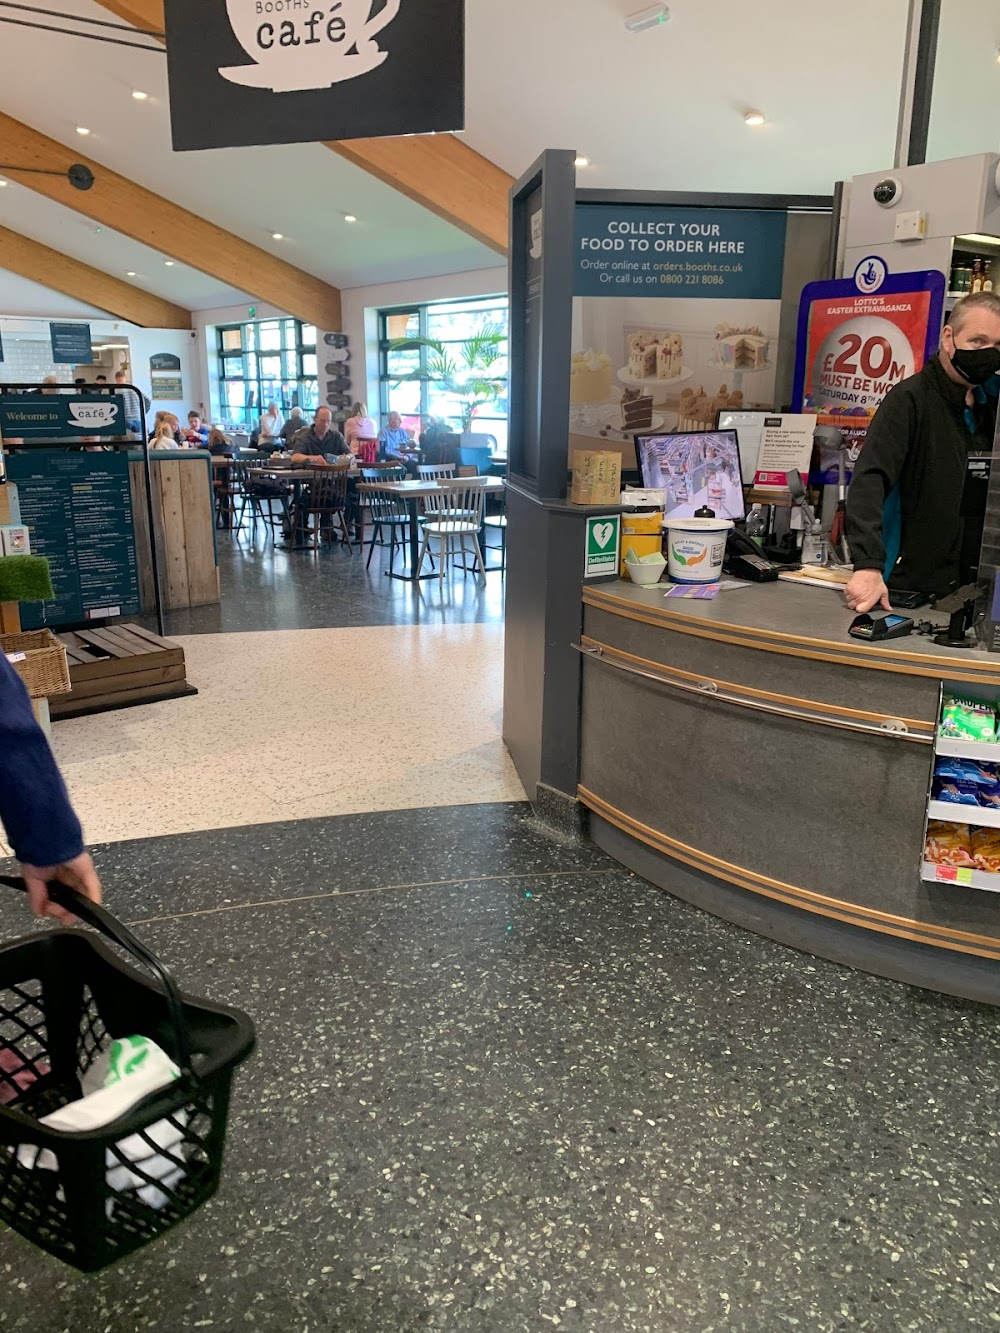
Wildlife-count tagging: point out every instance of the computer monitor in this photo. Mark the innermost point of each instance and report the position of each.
(696, 470)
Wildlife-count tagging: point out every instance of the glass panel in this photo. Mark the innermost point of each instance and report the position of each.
(404, 324)
(308, 335)
(251, 367)
(405, 399)
(308, 392)
(270, 367)
(965, 108)
(402, 363)
(448, 323)
(231, 340)
(269, 335)
(250, 336)
(289, 332)
(309, 364)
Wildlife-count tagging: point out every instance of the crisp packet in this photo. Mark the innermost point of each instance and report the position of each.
(989, 797)
(986, 849)
(956, 793)
(949, 844)
(968, 720)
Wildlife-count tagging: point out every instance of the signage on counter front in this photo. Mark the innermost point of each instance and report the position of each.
(603, 546)
(715, 253)
(858, 338)
(295, 71)
(58, 416)
(71, 344)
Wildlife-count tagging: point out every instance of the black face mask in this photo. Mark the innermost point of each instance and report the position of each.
(976, 364)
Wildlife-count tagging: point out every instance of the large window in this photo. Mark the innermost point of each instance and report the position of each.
(450, 323)
(268, 361)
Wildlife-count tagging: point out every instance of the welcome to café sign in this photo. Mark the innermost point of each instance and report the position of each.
(246, 72)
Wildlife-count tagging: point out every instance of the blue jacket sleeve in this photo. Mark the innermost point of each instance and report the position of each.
(34, 805)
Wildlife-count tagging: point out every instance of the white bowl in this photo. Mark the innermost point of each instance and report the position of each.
(647, 574)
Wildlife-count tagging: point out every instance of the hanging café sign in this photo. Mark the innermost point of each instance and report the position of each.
(300, 71)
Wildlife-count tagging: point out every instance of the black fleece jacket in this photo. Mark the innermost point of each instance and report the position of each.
(919, 439)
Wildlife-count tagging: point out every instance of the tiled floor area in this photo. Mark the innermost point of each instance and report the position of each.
(502, 1085)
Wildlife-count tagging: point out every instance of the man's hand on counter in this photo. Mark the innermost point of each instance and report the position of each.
(866, 590)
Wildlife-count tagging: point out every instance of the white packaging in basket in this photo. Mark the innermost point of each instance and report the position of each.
(119, 1078)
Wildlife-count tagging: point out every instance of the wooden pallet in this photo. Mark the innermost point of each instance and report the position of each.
(119, 666)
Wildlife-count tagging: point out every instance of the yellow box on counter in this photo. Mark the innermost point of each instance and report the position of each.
(597, 477)
(641, 533)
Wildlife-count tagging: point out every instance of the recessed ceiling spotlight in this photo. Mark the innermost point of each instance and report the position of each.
(139, 96)
(754, 118)
(130, 273)
(582, 161)
(3, 183)
(349, 217)
(169, 263)
(277, 236)
(82, 129)
(650, 17)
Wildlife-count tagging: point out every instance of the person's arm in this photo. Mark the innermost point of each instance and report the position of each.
(878, 470)
(35, 807)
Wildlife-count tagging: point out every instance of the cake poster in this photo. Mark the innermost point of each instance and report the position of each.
(676, 316)
(854, 346)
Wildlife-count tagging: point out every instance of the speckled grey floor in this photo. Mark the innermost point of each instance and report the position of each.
(264, 588)
(504, 1087)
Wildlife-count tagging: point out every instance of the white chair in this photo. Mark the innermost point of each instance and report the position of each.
(453, 522)
(436, 472)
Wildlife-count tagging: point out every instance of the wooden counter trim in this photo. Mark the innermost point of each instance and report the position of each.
(879, 660)
(867, 918)
(786, 700)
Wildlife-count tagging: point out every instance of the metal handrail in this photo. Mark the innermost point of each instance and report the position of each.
(894, 728)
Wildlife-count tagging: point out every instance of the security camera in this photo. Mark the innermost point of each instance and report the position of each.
(887, 192)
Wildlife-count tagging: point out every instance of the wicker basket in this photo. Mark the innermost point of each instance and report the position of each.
(44, 668)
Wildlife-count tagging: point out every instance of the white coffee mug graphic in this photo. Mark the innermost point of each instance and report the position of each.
(298, 48)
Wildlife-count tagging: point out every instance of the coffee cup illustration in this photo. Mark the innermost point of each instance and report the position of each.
(298, 48)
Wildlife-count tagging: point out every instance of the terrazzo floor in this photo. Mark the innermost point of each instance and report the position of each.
(504, 1086)
(298, 723)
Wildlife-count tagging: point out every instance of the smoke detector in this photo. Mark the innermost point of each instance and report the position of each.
(650, 17)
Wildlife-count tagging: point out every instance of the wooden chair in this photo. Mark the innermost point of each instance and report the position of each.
(366, 449)
(452, 522)
(261, 497)
(324, 502)
(386, 511)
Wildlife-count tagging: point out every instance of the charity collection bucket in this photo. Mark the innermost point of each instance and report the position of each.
(696, 548)
(642, 532)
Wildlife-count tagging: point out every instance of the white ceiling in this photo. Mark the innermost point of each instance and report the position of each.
(20, 296)
(663, 109)
(657, 110)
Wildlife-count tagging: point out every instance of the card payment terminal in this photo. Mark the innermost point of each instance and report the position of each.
(877, 629)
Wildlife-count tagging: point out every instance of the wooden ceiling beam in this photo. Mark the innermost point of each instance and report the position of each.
(31, 259)
(437, 171)
(152, 220)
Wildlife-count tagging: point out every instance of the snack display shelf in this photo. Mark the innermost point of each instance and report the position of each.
(955, 749)
(976, 815)
(961, 875)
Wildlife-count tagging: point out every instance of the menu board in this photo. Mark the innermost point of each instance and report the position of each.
(78, 511)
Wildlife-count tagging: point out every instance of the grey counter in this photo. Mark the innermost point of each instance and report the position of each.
(747, 755)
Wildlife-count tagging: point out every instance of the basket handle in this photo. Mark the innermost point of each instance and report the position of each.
(109, 926)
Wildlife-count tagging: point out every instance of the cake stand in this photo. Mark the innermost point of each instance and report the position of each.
(737, 374)
(656, 389)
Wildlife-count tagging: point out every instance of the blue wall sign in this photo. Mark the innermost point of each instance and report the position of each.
(71, 344)
(713, 253)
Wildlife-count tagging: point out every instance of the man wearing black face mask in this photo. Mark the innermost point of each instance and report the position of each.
(912, 510)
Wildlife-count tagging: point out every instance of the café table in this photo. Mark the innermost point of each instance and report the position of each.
(412, 492)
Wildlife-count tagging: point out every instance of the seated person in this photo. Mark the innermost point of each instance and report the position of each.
(166, 423)
(396, 444)
(320, 440)
(270, 427)
(296, 422)
(197, 432)
(219, 443)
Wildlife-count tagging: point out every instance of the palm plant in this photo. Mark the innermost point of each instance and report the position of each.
(466, 370)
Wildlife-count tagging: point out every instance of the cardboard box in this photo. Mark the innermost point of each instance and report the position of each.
(597, 478)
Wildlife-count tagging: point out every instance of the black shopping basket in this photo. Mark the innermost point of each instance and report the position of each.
(64, 997)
